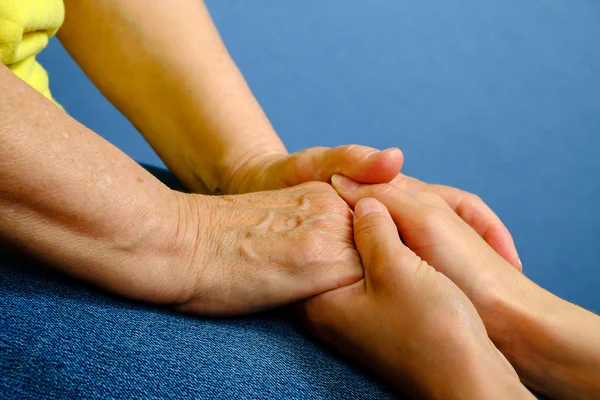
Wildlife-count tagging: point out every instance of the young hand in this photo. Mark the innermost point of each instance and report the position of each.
(408, 322)
(430, 227)
(367, 165)
(552, 343)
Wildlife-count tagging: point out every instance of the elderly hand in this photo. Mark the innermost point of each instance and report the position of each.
(281, 170)
(261, 250)
(368, 165)
(408, 322)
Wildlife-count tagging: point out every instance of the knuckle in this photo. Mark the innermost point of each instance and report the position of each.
(370, 221)
(302, 158)
(364, 231)
(368, 226)
(431, 198)
(345, 150)
(435, 218)
(329, 200)
(420, 272)
(473, 206)
(340, 229)
(352, 151)
(474, 199)
(311, 249)
(323, 248)
(310, 242)
(315, 187)
(384, 190)
(316, 149)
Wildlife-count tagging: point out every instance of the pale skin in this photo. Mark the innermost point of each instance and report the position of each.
(76, 201)
(553, 345)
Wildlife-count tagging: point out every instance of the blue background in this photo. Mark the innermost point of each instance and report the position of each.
(498, 98)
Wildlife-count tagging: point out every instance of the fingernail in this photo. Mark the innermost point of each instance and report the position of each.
(366, 207)
(520, 263)
(343, 183)
(375, 153)
(387, 151)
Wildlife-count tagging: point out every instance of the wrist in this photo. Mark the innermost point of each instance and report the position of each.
(155, 266)
(490, 376)
(251, 173)
(480, 373)
(159, 262)
(507, 310)
(520, 318)
(227, 170)
(551, 343)
(203, 286)
(183, 246)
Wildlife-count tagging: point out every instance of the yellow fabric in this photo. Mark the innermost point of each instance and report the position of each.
(25, 27)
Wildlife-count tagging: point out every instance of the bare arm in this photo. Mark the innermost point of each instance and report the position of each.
(553, 344)
(409, 323)
(75, 200)
(164, 65)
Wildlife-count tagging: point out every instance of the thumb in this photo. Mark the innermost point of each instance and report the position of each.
(378, 243)
(361, 163)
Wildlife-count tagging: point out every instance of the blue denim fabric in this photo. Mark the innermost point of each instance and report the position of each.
(62, 339)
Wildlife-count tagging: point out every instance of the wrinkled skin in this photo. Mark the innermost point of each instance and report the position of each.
(261, 250)
(368, 165)
(255, 251)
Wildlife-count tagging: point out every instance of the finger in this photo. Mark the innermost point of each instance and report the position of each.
(482, 219)
(474, 212)
(402, 206)
(361, 163)
(414, 186)
(377, 241)
(405, 207)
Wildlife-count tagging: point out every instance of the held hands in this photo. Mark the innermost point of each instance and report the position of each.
(553, 344)
(368, 165)
(261, 250)
(407, 321)
(437, 234)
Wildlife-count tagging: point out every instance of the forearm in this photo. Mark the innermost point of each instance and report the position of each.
(553, 344)
(76, 201)
(164, 65)
(472, 371)
(476, 379)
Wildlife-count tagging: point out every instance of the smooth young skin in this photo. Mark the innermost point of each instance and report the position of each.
(554, 345)
(410, 323)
